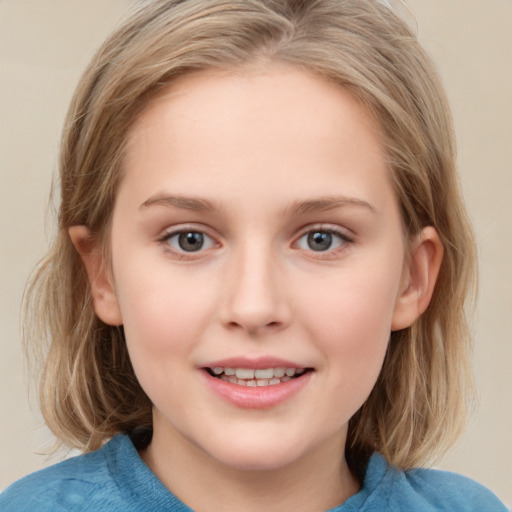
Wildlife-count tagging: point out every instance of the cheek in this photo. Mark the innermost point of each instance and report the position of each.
(360, 303)
(164, 314)
(163, 311)
(352, 323)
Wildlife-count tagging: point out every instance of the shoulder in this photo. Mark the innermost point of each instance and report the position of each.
(79, 483)
(453, 491)
(429, 490)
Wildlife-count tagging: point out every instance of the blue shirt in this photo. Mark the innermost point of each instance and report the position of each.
(115, 478)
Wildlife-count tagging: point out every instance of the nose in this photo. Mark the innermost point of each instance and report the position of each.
(255, 292)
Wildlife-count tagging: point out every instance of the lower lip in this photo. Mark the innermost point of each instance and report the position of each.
(263, 397)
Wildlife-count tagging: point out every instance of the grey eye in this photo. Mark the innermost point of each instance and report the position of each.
(321, 240)
(189, 241)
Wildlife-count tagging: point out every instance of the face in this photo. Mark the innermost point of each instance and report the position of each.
(257, 260)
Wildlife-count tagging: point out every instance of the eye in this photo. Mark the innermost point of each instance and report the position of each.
(188, 241)
(322, 240)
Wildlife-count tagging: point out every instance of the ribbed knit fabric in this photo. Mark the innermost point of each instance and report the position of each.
(115, 478)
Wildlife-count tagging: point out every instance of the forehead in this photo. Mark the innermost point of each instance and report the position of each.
(282, 127)
(301, 102)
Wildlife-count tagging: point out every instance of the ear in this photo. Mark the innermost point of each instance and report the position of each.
(419, 279)
(103, 293)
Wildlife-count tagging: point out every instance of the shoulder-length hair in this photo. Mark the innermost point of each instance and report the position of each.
(88, 388)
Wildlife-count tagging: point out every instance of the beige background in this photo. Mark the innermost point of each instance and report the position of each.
(44, 44)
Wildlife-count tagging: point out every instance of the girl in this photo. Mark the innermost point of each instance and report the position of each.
(255, 297)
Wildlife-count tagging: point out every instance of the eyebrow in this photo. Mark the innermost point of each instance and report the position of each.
(329, 203)
(200, 204)
(188, 203)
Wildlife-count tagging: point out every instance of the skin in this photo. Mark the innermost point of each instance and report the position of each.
(277, 153)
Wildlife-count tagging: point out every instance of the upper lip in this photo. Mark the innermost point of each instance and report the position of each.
(257, 363)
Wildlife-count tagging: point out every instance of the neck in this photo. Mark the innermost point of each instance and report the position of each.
(317, 481)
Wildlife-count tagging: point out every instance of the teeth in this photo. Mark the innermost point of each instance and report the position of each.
(279, 372)
(256, 378)
(244, 373)
(264, 374)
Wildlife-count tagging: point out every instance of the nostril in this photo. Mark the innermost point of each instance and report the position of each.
(254, 327)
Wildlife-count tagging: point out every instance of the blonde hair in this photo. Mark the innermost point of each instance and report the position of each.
(88, 388)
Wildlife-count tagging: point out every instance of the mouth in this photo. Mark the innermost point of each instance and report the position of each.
(252, 377)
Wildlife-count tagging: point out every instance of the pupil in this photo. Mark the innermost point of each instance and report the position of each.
(319, 241)
(191, 242)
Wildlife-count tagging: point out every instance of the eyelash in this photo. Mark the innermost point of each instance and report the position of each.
(328, 253)
(180, 253)
(344, 240)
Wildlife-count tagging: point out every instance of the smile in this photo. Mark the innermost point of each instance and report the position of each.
(251, 377)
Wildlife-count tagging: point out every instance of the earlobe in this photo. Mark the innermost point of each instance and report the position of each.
(104, 297)
(419, 279)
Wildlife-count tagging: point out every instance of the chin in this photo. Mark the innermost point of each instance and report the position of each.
(257, 462)
(257, 455)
